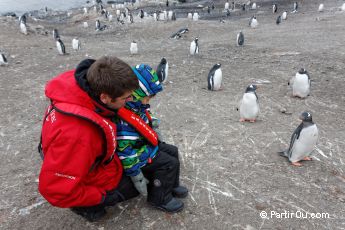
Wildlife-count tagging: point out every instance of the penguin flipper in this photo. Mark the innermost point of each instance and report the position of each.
(283, 153)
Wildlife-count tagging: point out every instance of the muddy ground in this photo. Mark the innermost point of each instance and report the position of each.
(231, 169)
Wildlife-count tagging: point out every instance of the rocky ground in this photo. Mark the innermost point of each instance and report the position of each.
(232, 169)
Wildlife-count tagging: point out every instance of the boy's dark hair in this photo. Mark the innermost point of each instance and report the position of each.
(111, 76)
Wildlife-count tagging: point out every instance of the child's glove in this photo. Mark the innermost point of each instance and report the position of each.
(140, 183)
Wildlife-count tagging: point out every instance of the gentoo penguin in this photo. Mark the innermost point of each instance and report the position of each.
(170, 13)
(183, 31)
(134, 48)
(240, 39)
(343, 7)
(130, 17)
(321, 7)
(195, 16)
(303, 141)
(3, 60)
(284, 15)
(194, 47)
(56, 35)
(295, 7)
(301, 84)
(98, 25)
(253, 22)
(163, 70)
(60, 47)
(190, 15)
(23, 28)
(249, 105)
(275, 8)
(76, 44)
(167, 3)
(233, 5)
(85, 25)
(173, 18)
(228, 13)
(85, 10)
(141, 14)
(243, 7)
(227, 5)
(22, 19)
(214, 79)
(279, 20)
(208, 9)
(254, 6)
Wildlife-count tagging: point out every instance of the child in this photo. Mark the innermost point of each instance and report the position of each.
(152, 165)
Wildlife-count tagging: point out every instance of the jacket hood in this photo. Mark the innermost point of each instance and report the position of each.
(72, 87)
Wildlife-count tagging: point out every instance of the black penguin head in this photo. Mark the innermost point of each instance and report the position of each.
(306, 116)
(251, 88)
(302, 71)
(196, 39)
(164, 61)
(217, 66)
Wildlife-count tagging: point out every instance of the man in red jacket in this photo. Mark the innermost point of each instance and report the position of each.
(80, 170)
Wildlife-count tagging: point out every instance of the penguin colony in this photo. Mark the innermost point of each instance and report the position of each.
(305, 136)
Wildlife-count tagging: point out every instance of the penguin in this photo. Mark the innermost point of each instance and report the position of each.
(173, 18)
(190, 15)
(134, 48)
(227, 5)
(233, 5)
(240, 39)
(85, 10)
(110, 17)
(3, 59)
(85, 25)
(183, 31)
(167, 3)
(284, 15)
(301, 84)
(56, 35)
(244, 7)
(162, 70)
(22, 19)
(253, 22)
(214, 78)
(76, 44)
(228, 13)
(141, 14)
(321, 7)
(343, 7)
(249, 105)
(98, 25)
(303, 141)
(279, 20)
(254, 6)
(23, 28)
(165, 13)
(130, 17)
(275, 8)
(208, 9)
(170, 15)
(60, 47)
(221, 21)
(194, 47)
(155, 16)
(295, 7)
(195, 16)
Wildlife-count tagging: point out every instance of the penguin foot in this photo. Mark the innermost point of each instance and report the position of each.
(242, 120)
(307, 159)
(296, 164)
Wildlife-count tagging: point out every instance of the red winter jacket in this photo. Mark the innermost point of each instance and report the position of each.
(73, 136)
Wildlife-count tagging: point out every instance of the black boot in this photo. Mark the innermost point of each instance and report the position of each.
(180, 192)
(174, 205)
(90, 213)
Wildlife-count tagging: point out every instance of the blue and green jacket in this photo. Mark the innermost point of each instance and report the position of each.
(133, 149)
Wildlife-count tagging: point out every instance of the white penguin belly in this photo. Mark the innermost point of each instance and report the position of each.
(301, 86)
(217, 79)
(192, 48)
(305, 143)
(249, 108)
